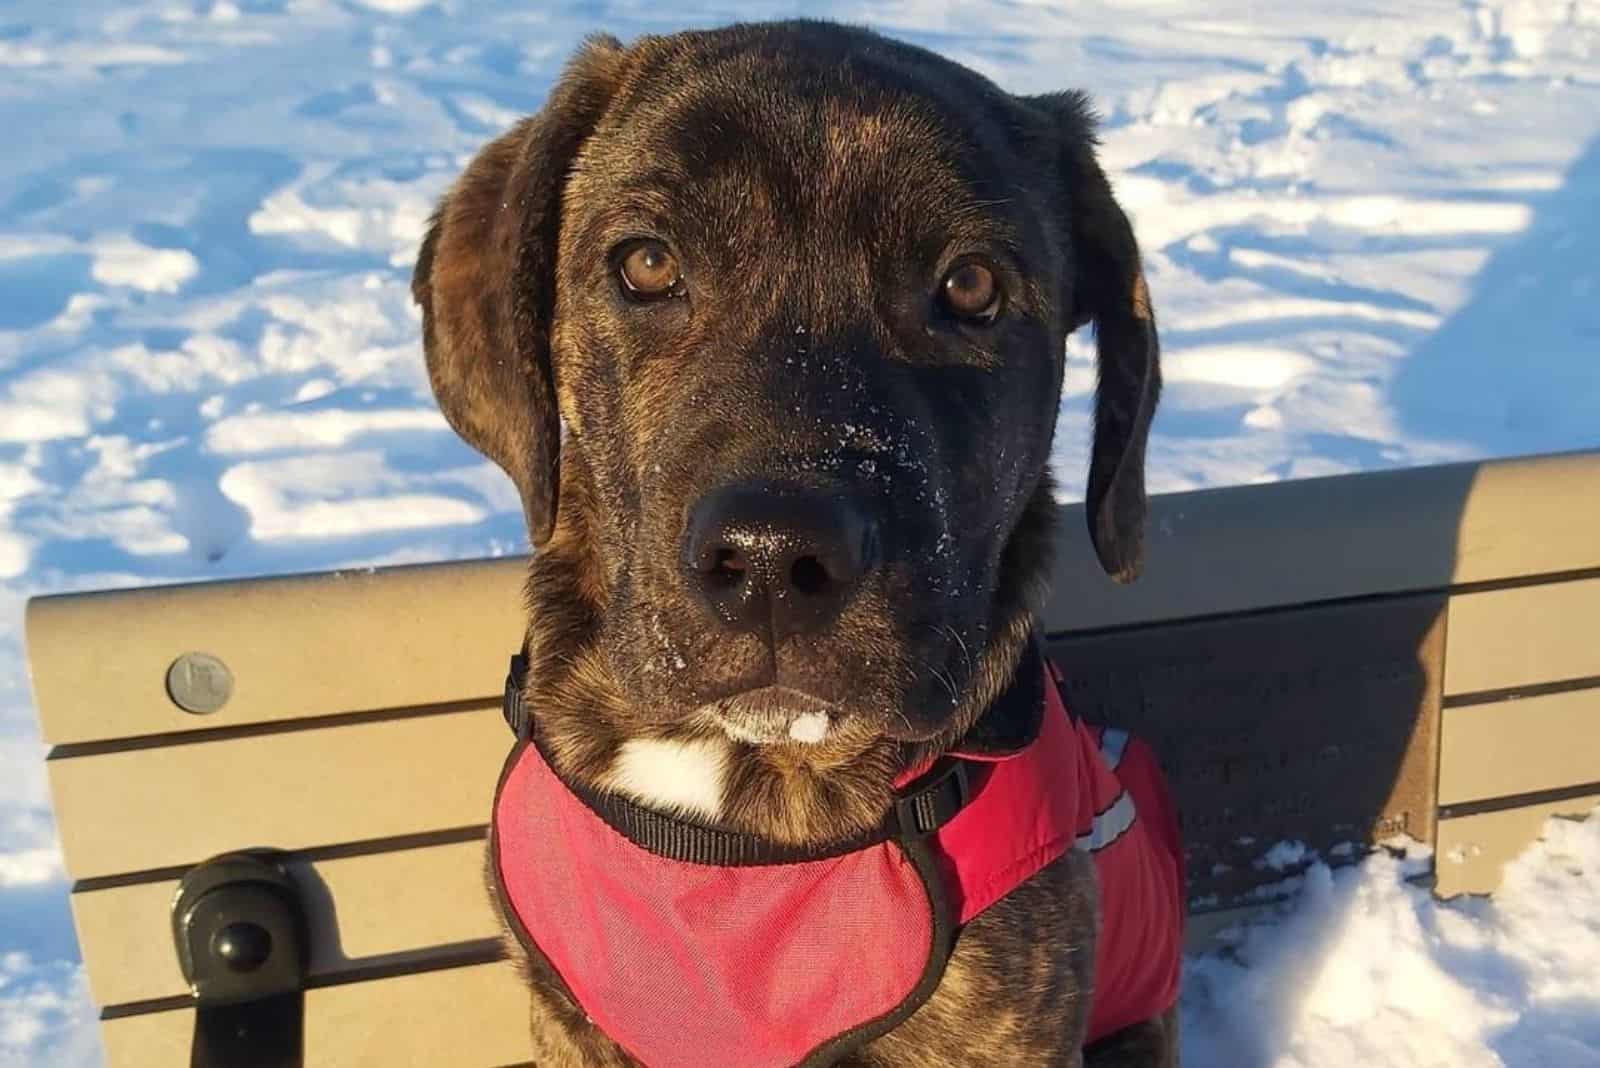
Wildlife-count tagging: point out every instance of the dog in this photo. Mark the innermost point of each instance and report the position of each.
(767, 324)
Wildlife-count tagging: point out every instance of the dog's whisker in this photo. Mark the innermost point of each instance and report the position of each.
(944, 680)
(904, 722)
(966, 653)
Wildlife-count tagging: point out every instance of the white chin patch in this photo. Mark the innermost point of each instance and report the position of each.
(809, 727)
(684, 777)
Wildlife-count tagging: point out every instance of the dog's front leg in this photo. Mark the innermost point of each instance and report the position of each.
(1150, 1044)
(563, 1035)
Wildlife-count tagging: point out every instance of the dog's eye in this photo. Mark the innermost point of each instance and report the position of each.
(971, 292)
(650, 272)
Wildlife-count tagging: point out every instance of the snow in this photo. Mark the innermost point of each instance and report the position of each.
(1365, 968)
(1369, 231)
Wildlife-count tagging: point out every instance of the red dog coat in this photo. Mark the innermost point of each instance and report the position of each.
(694, 947)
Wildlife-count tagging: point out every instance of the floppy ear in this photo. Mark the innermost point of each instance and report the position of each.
(1109, 287)
(485, 279)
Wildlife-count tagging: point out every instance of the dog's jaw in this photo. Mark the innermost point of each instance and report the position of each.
(773, 715)
(678, 777)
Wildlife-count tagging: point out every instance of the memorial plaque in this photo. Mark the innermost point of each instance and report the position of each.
(1314, 725)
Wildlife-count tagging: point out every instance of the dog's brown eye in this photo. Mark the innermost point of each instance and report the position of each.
(971, 292)
(650, 272)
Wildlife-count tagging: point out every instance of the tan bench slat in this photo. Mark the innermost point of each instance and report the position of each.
(300, 646)
(381, 905)
(474, 1017)
(1474, 850)
(1524, 746)
(1533, 515)
(176, 805)
(1250, 547)
(417, 635)
(1523, 636)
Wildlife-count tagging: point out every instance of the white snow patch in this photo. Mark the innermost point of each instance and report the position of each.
(314, 389)
(47, 405)
(122, 262)
(271, 431)
(809, 727)
(1285, 855)
(30, 867)
(1365, 968)
(372, 213)
(1265, 417)
(394, 7)
(46, 1016)
(1243, 366)
(335, 496)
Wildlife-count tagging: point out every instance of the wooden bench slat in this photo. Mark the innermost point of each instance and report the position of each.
(176, 805)
(418, 635)
(473, 1017)
(1505, 748)
(1422, 529)
(382, 906)
(306, 645)
(1473, 851)
(1524, 636)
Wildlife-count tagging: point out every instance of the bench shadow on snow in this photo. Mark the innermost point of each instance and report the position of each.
(1517, 369)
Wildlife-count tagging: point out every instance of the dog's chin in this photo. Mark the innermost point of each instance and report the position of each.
(775, 715)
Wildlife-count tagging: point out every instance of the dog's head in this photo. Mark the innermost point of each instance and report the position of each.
(767, 324)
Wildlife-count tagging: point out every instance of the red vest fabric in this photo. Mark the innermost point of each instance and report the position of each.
(769, 965)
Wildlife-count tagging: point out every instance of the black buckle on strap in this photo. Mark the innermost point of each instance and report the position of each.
(515, 707)
(933, 800)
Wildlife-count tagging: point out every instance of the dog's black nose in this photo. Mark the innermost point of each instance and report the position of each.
(772, 555)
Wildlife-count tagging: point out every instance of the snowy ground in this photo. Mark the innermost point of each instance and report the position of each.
(1371, 232)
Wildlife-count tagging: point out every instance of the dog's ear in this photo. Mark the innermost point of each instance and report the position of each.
(1109, 288)
(485, 278)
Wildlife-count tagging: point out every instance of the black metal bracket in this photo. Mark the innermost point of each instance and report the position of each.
(242, 942)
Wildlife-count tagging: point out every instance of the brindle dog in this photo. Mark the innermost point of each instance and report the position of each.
(767, 324)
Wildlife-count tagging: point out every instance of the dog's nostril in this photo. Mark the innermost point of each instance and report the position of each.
(807, 575)
(728, 567)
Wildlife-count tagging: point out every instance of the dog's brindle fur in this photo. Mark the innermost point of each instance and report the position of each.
(814, 183)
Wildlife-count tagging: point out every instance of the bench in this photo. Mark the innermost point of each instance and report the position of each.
(1330, 661)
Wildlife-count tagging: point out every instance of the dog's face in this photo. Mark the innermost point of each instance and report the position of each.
(797, 296)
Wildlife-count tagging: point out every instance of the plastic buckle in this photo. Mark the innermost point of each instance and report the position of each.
(934, 799)
(515, 707)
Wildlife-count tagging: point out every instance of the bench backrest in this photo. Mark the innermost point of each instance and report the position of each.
(1329, 661)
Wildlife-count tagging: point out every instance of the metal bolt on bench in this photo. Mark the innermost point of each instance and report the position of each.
(242, 943)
